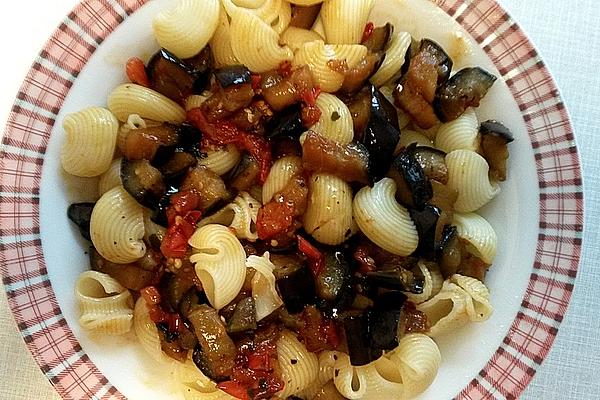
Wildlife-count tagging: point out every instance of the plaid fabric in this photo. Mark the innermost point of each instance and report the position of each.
(29, 291)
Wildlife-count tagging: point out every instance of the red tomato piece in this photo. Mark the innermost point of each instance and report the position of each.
(150, 295)
(367, 32)
(235, 389)
(274, 218)
(315, 257)
(136, 72)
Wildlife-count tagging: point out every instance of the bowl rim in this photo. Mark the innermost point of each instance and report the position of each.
(33, 115)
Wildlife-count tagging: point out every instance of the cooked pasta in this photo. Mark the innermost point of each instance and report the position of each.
(283, 19)
(479, 307)
(295, 37)
(220, 44)
(318, 27)
(255, 43)
(299, 367)
(221, 160)
(264, 293)
(280, 174)
(195, 101)
(129, 98)
(151, 228)
(447, 310)
(317, 54)
(239, 215)
(408, 137)
(106, 306)
(335, 123)
(468, 175)
(419, 359)
(462, 133)
(195, 385)
(220, 262)
(345, 20)
(384, 221)
(90, 139)
(328, 216)
(267, 10)
(147, 332)
(478, 233)
(117, 227)
(394, 59)
(432, 282)
(179, 31)
(111, 178)
(403, 118)
(305, 3)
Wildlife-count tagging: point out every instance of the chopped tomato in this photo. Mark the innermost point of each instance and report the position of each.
(150, 295)
(317, 332)
(185, 201)
(234, 389)
(315, 257)
(259, 148)
(367, 32)
(274, 218)
(310, 115)
(309, 97)
(285, 68)
(157, 314)
(331, 333)
(136, 72)
(256, 82)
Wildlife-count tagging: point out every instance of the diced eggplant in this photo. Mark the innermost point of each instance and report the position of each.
(359, 105)
(159, 213)
(383, 329)
(412, 186)
(304, 16)
(244, 175)
(443, 62)
(450, 252)
(287, 123)
(379, 38)
(244, 316)
(398, 279)
(494, 147)
(412, 51)
(131, 276)
(80, 214)
(356, 328)
(142, 181)
(187, 338)
(390, 300)
(283, 91)
(297, 289)
(225, 102)
(150, 143)
(201, 66)
(215, 353)
(432, 160)
(174, 288)
(426, 223)
(208, 186)
(178, 165)
(233, 75)
(355, 78)
(443, 197)
(464, 89)
(189, 139)
(334, 284)
(381, 134)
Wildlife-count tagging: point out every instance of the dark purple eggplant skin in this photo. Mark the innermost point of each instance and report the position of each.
(426, 221)
(378, 41)
(334, 283)
(464, 89)
(401, 280)
(297, 289)
(356, 328)
(443, 61)
(233, 75)
(381, 135)
(414, 176)
(383, 329)
(287, 123)
(495, 128)
(413, 49)
(159, 212)
(390, 300)
(432, 160)
(145, 194)
(80, 214)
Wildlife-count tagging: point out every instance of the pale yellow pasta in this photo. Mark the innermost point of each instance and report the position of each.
(129, 98)
(385, 222)
(367, 382)
(264, 292)
(185, 29)
(394, 59)
(317, 54)
(408, 137)
(220, 44)
(240, 216)
(345, 20)
(255, 43)
(151, 228)
(305, 3)
(195, 101)
(117, 227)
(462, 133)
(428, 285)
(318, 27)
(90, 139)
(147, 332)
(106, 306)
(221, 160)
(283, 19)
(437, 280)
(447, 310)
(430, 132)
(220, 263)
(111, 178)
(194, 384)
(335, 123)
(279, 176)
(267, 10)
(295, 37)
(468, 175)
(299, 367)
(328, 216)
(481, 238)
(479, 307)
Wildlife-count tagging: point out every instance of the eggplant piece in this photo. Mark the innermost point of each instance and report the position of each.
(426, 223)
(412, 51)
(233, 75)
(443, 62)
(159, 212)
(208, 186)
(379, 39)
(178, 165)
(201, 66)
(398, 279)
(215, 353)
(304, 16)
(142, 181)
(244, 316)
(432, 160)
(297, 289)
(450, 252)
(360, 108)
(244, 175)
(334, 284)
(80, 214)
(174, 288)
(287, 123)
(130, 276)
(381, 134)
(495, 138)
(355, 78)
(412, 186)
(390, 300)
(464, 89)
(356, 328)
(189, 139)
(383, 329)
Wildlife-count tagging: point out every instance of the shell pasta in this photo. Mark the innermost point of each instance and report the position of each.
(291, 194)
